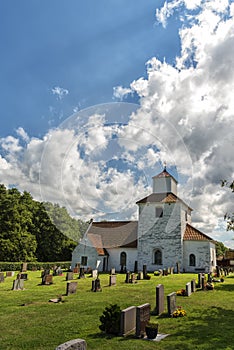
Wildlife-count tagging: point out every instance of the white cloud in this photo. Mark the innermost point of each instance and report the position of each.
(120, 92)
(59, 92)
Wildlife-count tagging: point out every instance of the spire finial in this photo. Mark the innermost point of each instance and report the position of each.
(165, 165)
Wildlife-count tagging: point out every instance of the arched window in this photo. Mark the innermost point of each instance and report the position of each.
(192, 260)
(123, 259)
(158, 257)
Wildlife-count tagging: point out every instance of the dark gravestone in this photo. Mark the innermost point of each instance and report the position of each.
(112, 280)
(218, 271)
(145, 271)
(159, 299)
(69, 276)
(177, 267)
(142, 318)
(209, 277)
(47, 280)
(171, 303)
(1, 277)
(18, 284)
(199, 280)
(136, 267)
(96, 285)
(71, 288)
(188, 289)
(75, 270)
(23, 276)
(82, 274)
(193, 286)
(203, 282)
(128, 321)
(128, 276)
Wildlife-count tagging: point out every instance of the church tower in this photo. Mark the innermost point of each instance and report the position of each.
(164, 183)
(160, 225)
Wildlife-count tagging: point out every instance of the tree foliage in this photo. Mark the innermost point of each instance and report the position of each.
(31, 230)
(220, 248)
(229, 217)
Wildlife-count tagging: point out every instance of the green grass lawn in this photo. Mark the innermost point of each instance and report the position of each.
(29, 321)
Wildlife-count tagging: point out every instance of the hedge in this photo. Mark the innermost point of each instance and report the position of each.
(16, 266)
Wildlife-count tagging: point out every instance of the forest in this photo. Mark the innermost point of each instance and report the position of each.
(35, 231)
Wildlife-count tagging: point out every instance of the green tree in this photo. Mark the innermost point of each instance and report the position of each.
(220, 248)
(229, 217)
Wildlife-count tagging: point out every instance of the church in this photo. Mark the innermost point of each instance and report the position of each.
(162, 237)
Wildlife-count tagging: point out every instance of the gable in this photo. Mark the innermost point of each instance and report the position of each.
(193, 234)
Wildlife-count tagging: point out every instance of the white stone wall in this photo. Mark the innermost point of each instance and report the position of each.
(204, 252)
(114, 258)
(164, 185)
(85, 250)
(160, 233)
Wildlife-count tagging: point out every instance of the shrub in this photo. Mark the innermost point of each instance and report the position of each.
(110, 320)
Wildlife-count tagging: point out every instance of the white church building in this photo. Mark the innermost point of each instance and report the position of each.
(162, 237)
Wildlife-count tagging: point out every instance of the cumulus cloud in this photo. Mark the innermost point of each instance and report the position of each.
(120, 92)
(99, 163)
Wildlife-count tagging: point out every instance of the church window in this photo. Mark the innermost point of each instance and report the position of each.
(192, 260)
(158, 257)
(186, 215)
(123, 259)
(84, 260)
(159, 212)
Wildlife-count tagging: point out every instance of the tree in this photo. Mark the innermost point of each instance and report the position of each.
(220, 248)
(229, 217)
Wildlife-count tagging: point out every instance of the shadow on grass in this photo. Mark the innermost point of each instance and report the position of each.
(213, 329)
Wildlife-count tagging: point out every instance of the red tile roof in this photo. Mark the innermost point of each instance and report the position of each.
(164, 173)
(193, 234)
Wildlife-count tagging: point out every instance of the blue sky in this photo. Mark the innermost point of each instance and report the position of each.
(85, 47)
(97, 95)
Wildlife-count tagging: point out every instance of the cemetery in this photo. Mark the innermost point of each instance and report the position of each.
(200, 318)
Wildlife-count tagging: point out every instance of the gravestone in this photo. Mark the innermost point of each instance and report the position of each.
(193, 286)
(171, 303)
(133, 278)
(159, 299)
(24, 276)
(82, 274)
(24, 267)
(96, 285)
(1, 277)
(218, 271)
(172, 270)
(136, 267)
(188, 289)
(112, 271)
(112, 280)
(177, 267)
(71, 288)
(209, 277)
(10, 273)
(145, 271)
(47, 279)
(95, 274)
(127, 279)
(69, 276)
(140, 275)
(75, 344)
(142, 318)
(18, 284)
(128, 321)
(199, 280)
(203, 282)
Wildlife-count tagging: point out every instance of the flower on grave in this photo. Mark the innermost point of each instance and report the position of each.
(179, 312)
(181, 292)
